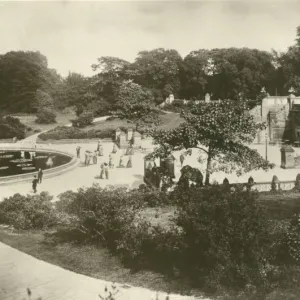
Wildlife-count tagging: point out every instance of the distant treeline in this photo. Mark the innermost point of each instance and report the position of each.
(233, 73)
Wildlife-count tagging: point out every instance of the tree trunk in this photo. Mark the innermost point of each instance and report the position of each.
(208, 168)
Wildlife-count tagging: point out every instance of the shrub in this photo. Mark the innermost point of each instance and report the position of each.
(151, 247)
(63, 132)
(46, 116)
(11, 127)
(83, 120)
(101, 134)
(28, 212)
(226, 237)
(103, 213)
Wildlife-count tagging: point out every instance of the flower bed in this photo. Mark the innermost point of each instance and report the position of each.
(20, 160)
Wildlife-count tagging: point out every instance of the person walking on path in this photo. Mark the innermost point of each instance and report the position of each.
(100, 151)
(111, 162)
(121, 162)
(86, 158)
(114, 150)
(40, 175)
(95, 157)
(129, 163)
(78, 151)
(34, 183)
(182, 158)
(102, 171)
(106, 170)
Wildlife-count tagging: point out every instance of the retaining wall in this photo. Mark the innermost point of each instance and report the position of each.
(48, 173)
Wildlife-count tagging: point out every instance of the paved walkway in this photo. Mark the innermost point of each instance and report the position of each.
(19, 271)
(132, 178)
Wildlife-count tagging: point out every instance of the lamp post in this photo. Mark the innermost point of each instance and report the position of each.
(266, 136)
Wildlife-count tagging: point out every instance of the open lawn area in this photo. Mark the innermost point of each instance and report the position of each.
(32, 127)
(168, 121)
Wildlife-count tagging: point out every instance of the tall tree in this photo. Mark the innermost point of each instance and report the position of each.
(135, 104)
(221, 131)
(227, 73)
(21, 74)
(159, 71)
(112, 71)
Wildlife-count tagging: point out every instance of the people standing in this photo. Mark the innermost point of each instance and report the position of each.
(78, 151)
(95, 157)
(129, 163)
(106, 170)
(102, 171)
(34, 183)
(182, 158)
(114, 150)
(111, 162)
(121, 162)
(86, 158)
(40, 175)
(100, 151)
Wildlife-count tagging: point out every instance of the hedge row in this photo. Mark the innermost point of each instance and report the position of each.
(62, 132)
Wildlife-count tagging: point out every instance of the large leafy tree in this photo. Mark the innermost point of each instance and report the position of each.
(135, 104)
(227, 73)
(159, 71)
(21, 74)
(290, 65)
(221, 131)
(112, 71)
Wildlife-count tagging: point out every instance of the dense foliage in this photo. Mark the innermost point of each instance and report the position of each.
(232, 73)
(224, 147)
(63, 132)
(11, 127)
(21, 75)
(135, 104)
(28, 212)
(45, 116)
(83, 120)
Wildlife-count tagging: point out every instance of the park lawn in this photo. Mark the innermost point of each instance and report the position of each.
(168, 121)
(31, 127)
(59, 248)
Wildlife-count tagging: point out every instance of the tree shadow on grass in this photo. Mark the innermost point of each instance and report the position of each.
(65, 235)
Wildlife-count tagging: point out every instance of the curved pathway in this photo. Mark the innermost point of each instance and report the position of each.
(19, 271)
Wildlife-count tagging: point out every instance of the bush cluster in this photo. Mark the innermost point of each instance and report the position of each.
(28, 212)
(83, 120)
(63, 132)
(219, 237)
(11, 127)
(46, 116)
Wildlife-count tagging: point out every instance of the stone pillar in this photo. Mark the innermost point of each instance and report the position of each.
(207, 97)
(129, 134)
(287, 157)
(122, 140)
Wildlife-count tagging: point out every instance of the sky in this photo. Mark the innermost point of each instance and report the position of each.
(72, 35)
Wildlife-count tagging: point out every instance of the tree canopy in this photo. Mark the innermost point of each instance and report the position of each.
(135, 104)
(221, 131)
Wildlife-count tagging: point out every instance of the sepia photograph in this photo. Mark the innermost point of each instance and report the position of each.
(150, 150)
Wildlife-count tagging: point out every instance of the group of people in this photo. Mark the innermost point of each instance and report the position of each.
(104, 167)
(37, 179)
